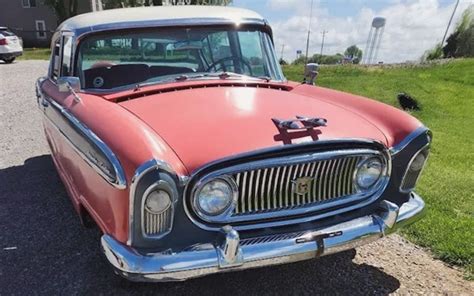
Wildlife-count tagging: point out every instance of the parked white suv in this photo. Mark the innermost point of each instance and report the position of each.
(10, 45)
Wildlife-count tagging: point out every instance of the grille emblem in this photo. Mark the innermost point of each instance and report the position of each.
(301, 186)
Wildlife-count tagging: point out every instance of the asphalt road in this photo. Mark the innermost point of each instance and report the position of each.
(44, 249)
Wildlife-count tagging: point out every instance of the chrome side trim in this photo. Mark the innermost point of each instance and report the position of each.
(407, 140)
(363, 198)
(207, 258)
(120, 181)
(142, 170)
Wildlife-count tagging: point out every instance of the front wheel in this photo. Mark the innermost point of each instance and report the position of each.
(9, 61)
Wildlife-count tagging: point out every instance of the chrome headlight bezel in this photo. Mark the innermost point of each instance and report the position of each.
(229, 206)
(360, 166)
(167, 214)
(148, 195)
(384, 176)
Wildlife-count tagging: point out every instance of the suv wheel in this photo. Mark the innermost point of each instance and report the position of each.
(9, 61)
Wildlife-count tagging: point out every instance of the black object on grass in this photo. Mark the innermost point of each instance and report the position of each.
(407, 102)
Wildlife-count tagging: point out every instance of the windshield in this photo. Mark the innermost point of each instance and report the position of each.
(6, 32)
(126, 59)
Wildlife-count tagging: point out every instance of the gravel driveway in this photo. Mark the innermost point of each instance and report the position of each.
(44, 249)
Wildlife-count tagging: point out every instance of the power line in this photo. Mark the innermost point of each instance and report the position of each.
(282, 49)
(309, 31)
(324, 32)
(449, 23)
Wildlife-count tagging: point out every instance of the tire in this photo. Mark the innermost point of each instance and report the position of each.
(9, 61)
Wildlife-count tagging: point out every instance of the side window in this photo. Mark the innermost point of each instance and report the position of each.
(66, 69)
(40, 29)
(28, 3)
(56, 60)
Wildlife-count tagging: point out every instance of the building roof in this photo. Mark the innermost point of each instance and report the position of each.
(157, 15)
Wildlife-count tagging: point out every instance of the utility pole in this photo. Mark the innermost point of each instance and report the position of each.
(324, 32)
(309, 31)
(449, 23)
(282, 49)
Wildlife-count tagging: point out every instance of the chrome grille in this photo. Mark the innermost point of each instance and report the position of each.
(272, 189)
(156, 224)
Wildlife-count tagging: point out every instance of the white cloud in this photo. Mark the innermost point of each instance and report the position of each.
(412, 28)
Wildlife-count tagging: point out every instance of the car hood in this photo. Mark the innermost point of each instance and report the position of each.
(205, 124)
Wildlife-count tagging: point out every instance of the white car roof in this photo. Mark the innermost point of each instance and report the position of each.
(131, 17)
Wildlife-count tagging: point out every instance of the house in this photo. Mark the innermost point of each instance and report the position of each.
(34, 21)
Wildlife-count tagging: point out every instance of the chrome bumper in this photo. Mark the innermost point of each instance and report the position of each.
(232, 254)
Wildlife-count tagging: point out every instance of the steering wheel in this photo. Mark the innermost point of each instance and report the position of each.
(223, 66)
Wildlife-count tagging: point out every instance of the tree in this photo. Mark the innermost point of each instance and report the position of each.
(108, 4)
(282, 62)
(461, 42)
(63, 9)
(433, 54)
(354, 53)
(317, 58)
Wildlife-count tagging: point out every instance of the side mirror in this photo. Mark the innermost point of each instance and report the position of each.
(311, 72)
(69, 84)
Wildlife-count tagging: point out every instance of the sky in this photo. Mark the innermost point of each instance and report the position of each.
(412, 26)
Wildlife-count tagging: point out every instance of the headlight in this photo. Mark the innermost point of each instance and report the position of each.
(369, 172)
(157, 201)
(215, 197)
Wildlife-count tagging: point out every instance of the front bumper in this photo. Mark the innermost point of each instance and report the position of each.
(232, 254)
(8, 55)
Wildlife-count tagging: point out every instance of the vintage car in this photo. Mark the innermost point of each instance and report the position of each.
(176, 132)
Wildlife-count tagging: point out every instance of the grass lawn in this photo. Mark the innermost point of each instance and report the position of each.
(35, 54)
(446, 94)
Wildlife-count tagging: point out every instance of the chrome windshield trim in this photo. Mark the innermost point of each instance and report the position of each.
(361, 199)
(182, 22)
(82, 33)
(408, 139)
(120, 181)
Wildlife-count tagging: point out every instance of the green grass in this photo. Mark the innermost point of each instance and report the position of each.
(446, 94)
(35, 54)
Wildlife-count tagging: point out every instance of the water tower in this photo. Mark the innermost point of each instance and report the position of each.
(373, 42)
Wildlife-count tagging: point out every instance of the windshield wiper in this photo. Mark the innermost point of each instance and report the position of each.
(225, 75)
(178, 78)
(184, 77)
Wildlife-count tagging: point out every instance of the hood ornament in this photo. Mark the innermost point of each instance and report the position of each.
(300, 123)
